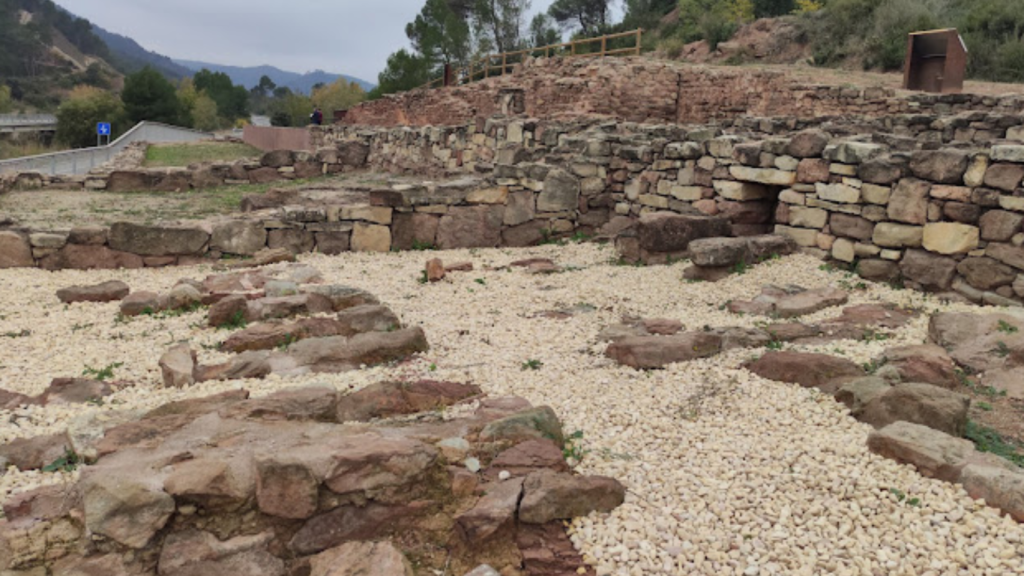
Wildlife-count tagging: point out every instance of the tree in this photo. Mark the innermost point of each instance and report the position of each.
(439, 34)
(543, 31)
(404, 71)
(590, 17)
(339, 95)
(85, 107)
(148, 95)
(265, 87)
(6, 104)
(503, 21)
(646, 13)
(771, 8)
(292, 110)
(232, 101)
(204, 114)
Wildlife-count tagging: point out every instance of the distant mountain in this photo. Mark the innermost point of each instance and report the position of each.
(129, 57)
(250, 76)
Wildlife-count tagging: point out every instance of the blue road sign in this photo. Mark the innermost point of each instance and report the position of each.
(103, 129)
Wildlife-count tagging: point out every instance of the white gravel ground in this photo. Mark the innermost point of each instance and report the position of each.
(727, 473)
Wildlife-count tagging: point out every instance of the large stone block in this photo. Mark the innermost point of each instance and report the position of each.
(670, 232)
(157, 240)
(892, 235)
(940, 166)
(741, 191)
(239, 237)
(909, 201)
(763, 175)
(931, 271)
(371, 238)
(838, 193)
(471, 227)
(1000, 225)
(415, 230)
(950, 238)
(561, 192)
(15, 251)
(808, 217)
(851, 226)
(1004, 176)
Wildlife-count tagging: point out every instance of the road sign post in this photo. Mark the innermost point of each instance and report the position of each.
(102, 130)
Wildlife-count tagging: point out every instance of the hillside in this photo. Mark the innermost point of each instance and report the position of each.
(129, 56)
(250, 76)
(45, 51)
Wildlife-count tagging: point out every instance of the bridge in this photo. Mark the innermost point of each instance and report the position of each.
(18, 123)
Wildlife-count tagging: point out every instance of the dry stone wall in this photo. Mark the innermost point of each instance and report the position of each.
(646, 90)
(937, 215)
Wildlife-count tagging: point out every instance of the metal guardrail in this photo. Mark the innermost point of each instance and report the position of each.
(82, 160)
(482, 68)
(17, 120)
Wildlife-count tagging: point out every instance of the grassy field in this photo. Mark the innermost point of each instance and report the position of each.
(183, 154)
(17, 150)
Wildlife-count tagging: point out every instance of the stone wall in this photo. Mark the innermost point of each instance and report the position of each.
(639, 89)
(938, 213)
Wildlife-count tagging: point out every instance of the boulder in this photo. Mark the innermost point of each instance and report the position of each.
(435, 270)
(923, 404)
(809, 301)
(278, 158)
(104, 292)
(338, 353)
(1000, 225)
(985, 273)
(561, 192)
(353, 153)
(645, 352)
(409, 231)
(909, 202)
(526, 457)
(808, 143)
(671, 232)
(550, 495)
(822, 371)
(529, 424)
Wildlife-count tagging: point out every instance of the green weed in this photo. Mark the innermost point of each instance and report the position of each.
(66, 463)
(532, 365)
(236, 322)
(101, 374)
(988, 440)
(1006, 327)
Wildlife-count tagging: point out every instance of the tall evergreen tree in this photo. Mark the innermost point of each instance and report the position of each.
(148, 95)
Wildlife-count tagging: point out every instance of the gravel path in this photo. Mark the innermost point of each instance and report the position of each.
(727, 473)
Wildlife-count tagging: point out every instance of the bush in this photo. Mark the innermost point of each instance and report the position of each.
(85, 107)
(895, 19)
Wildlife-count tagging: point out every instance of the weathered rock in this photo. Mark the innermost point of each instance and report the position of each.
(36, 452)
(104, 292)
(645, 352)
(950, 237)
(925, 363)
(239, 237)
(497, 509)
(1000, 225)
(931, 271)
(195, 553)
(141, 302)
(909, 201)
(15, 251)
(809, 301)
(178, 366)
(923, 404)
(808, 370)
(943, 166)
(353, 153)
(527, 457)
(435, 270)
(935, 454)
(985, 273)
(394, 398)
(74, 391)
(561, 192)
(807, 144)
(998, 487)
(181, 297)
(530, 424)
(157, 240)
(856, 394)
(549, 495)
(470, 227)
(1004, 176)
(670, 232)
(361, 559)
(124, 504)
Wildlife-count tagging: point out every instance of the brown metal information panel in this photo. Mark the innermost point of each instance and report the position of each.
(936, 61)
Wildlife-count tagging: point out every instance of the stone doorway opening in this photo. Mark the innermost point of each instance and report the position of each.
(752, 208)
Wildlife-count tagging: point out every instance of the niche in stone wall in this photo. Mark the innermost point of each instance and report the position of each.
(751, 207)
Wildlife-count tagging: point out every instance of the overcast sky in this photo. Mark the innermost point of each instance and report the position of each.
(351, 37)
